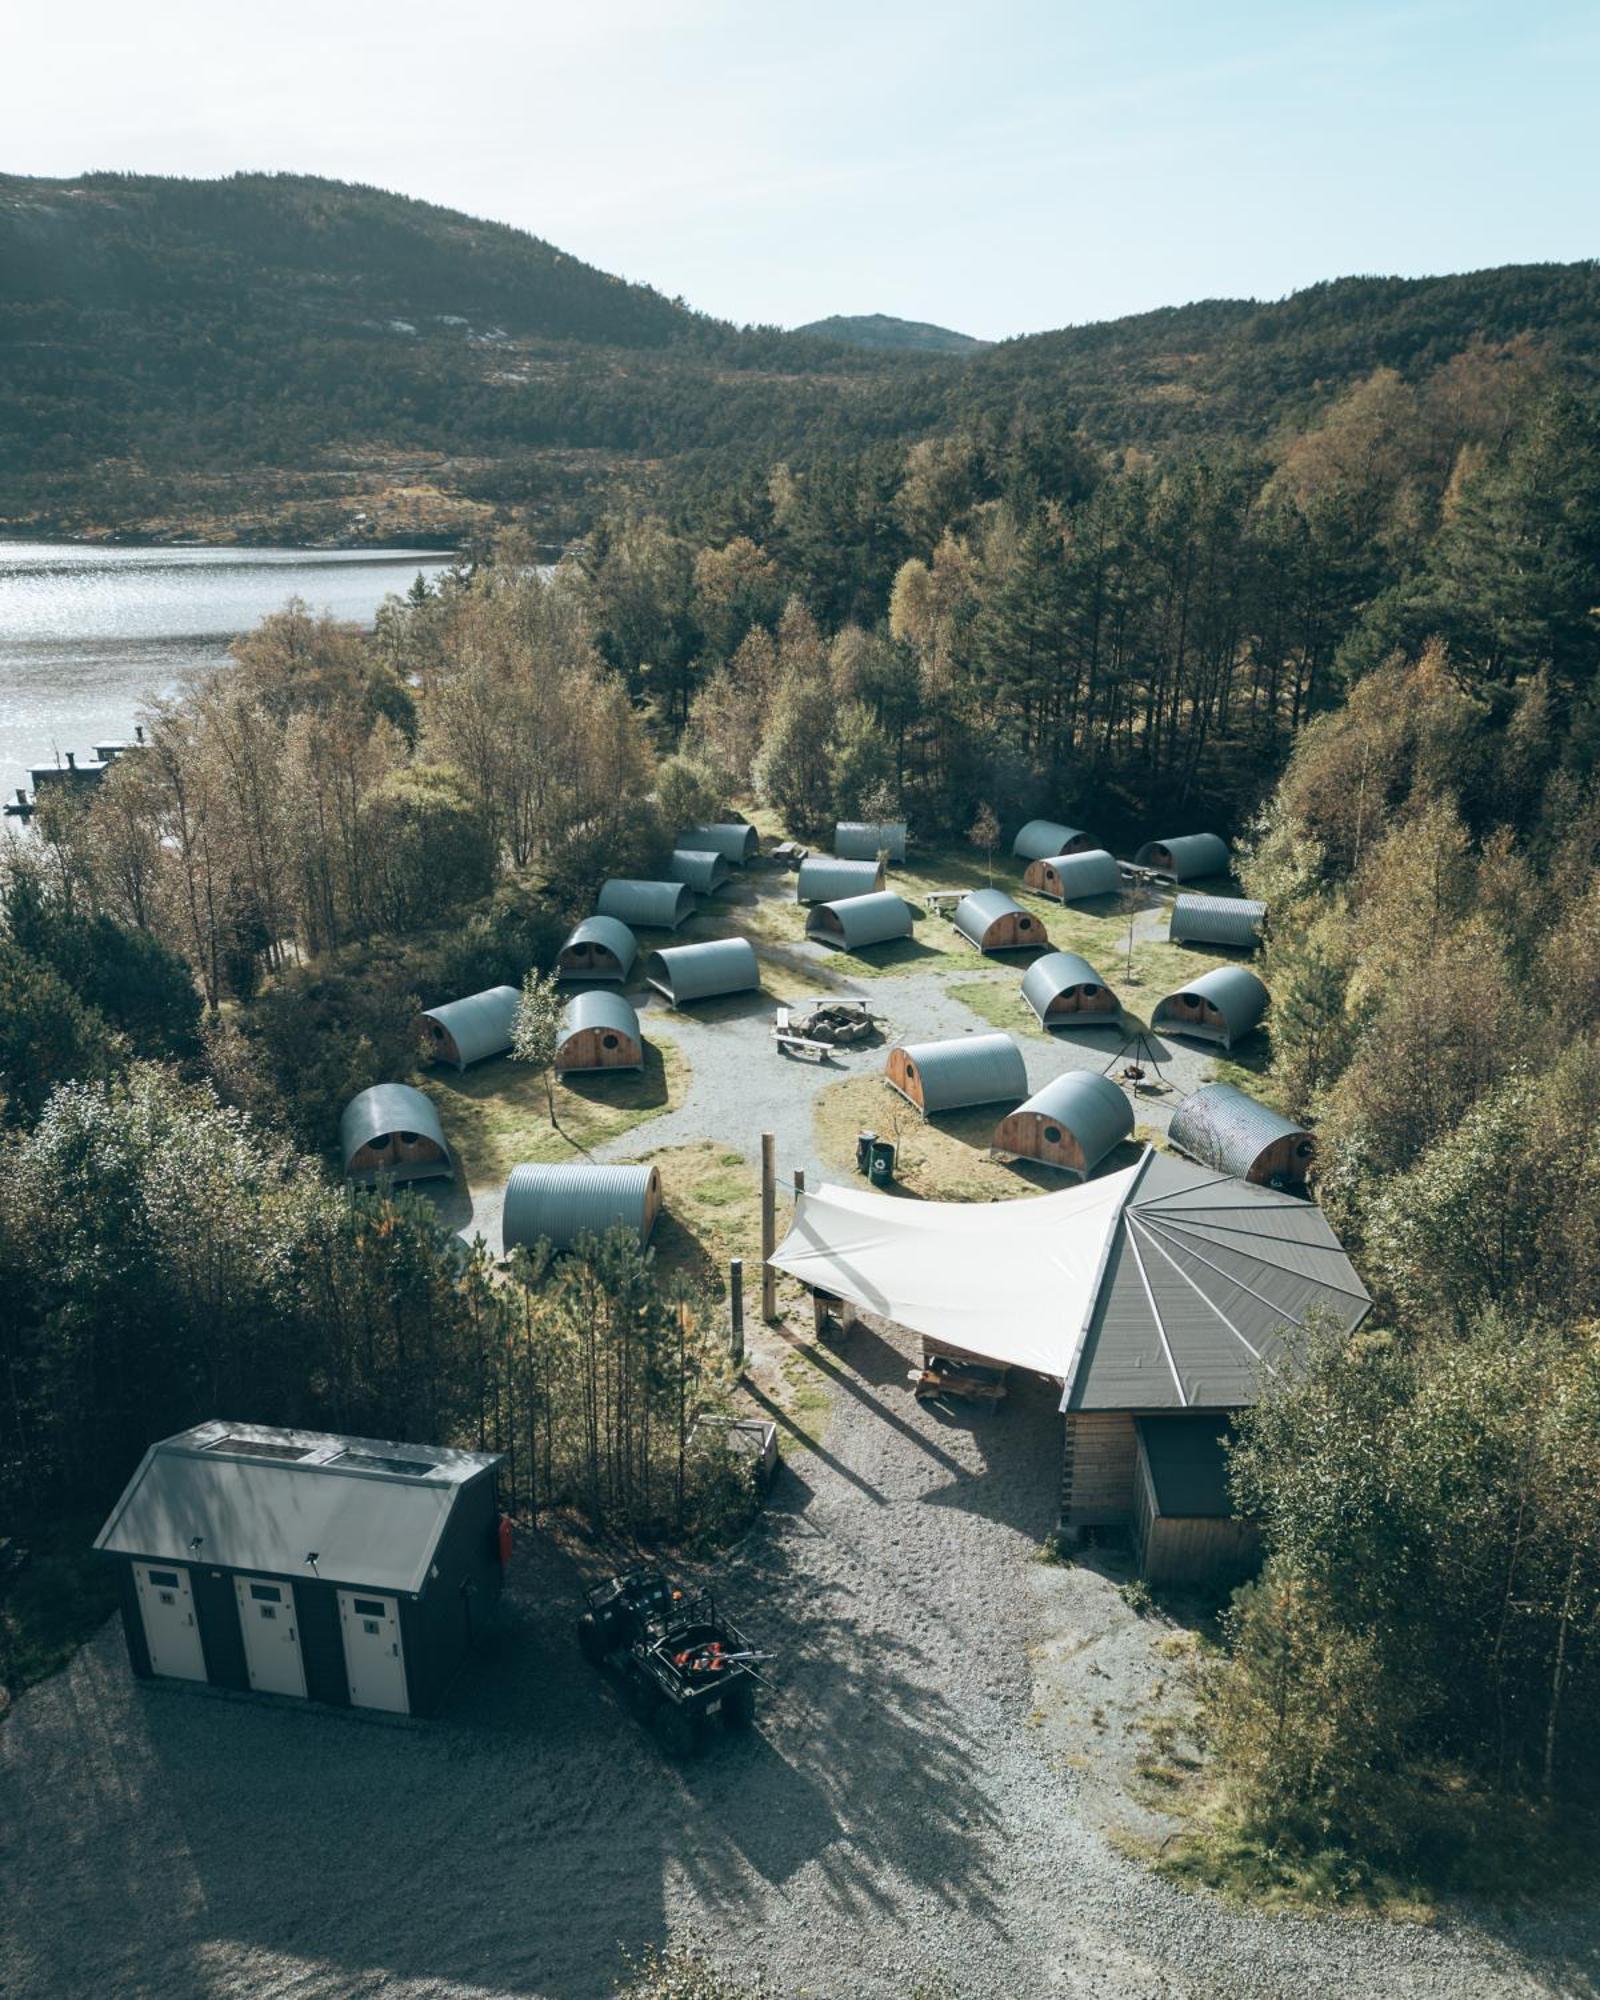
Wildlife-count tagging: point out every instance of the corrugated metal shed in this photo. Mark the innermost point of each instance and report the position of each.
(703, 869)
(558, 1204)
(1057, 972)
(1041, 839)
(1090, 1106)
(1186, 856)
(608, 1013)
(653, 906)
(824, 879)
(607, 934)
(688, 972)
(864, 840)
(1223, 1127)
(1077, 876)
(480, 1025)
(968, 1069)
(732, 839)
(385, 1109)
(861, 920)
(978, 913)
(1233, 990)
(1217, 920)
(370, 1527)
(1205, 1280)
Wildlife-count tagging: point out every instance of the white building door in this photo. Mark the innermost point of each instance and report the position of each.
(372, 1656)
(271, 1635)
(170, 1630)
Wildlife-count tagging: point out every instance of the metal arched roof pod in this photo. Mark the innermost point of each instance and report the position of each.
(968, 1069)
(1216, 920)
(732, 839)
(688, 972)
(480, 1025)
(388, 1107)
(863, 920)
(1223, 1127)
(865, 840)
(1043, 839)
(558, 1204)
(1094, 873)
(1055, 973)
(600, 1009)
(651, 906)
(1090, 1106)
(983, 907)
(702, 868)
(1192, 855)
(611, 936)
(825, 879)
(1236, 993)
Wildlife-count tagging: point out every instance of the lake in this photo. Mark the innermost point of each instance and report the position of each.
(88, 634)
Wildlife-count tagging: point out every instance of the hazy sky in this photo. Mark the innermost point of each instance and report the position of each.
(994, 167)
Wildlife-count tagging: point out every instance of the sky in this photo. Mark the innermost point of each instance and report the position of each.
(999, 168)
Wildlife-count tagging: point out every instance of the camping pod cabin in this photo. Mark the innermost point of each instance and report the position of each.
(703, 869)
(559, 1205)
(856, 922)
(1039, 839)
(1070, 1125)
(684, 973)
(1186, 857)
(1074, 878)
(1185, 1532)
(1222, 1005)
(645, 906)
(865, 840)
(471, 1030)
(392, 1132)
(737, 843)
(599, 948)
(823, 878)
(1225, 920)
(1223, 1127)
(599, 1031)
(343, 1570)
(994, 921)
(1065, 991)
(953, 1075)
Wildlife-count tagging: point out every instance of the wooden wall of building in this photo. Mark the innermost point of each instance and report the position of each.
(1097, 1469)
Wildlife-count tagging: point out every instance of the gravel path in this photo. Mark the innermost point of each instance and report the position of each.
(895, 1818)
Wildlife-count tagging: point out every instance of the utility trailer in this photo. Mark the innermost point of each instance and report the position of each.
(679, 1662)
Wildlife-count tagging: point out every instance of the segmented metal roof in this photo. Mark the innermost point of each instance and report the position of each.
(387, 1108)
(865, 840)
(732, 839)
(1234, 990)
(1094, 873)
(977, 912)
(611, 935)
(1041, 839)
(654, 906)
(703, 869)
(1089, 1106)
(1206, 1282)
(1223, 1127)
(1054, 974)
(863, 920)
(825, 879)
(558, 1204)
(968, 1069)
(600, 1009)
(480, 1025)
(1192, 855)
(1216, 920)
(687, 972)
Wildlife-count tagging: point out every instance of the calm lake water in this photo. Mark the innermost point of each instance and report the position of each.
(88, 634)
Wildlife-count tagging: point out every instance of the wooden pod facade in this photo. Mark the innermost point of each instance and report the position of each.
(1071, 878)
(1222, 1005)
(1064, 991)
(599, 1031)
(1223, 1127)
(392, 1132)
(993, 921)
(599, 948)
(1070, 1125)
(953, 1075)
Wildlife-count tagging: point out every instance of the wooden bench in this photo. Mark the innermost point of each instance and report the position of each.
(951, 1371)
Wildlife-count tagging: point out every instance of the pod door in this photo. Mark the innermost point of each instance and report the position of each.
(171, 1634)
(373, 1659)
(271, 1635)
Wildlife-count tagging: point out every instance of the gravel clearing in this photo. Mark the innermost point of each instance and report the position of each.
(899, 1815)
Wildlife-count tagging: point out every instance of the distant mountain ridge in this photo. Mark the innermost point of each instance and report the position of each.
(883, 330)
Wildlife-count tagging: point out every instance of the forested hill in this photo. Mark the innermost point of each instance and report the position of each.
(273, 355)
(884, 330)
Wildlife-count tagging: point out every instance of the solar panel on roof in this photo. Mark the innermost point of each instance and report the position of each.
(371, 1461)
(259, 1448)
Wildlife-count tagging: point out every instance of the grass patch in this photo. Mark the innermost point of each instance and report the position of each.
(945, 1160)
(495, 1115)
(61, 1598)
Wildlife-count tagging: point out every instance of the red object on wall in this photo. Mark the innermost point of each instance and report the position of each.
(505, 1541)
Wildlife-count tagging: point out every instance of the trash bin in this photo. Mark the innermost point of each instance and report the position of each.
(881, 1170)
(865, 1141)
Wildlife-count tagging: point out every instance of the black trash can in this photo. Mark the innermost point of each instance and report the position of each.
(881, 1170)
(865, 1141)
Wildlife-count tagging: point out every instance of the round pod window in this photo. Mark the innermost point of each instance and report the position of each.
(608, 1041)
(1305, 1149)
(1190, 1000)
(1052, 1134)
(1024, 923)
(436, 1031)
(379, 1142)
(1088, 989)
(408, 1138)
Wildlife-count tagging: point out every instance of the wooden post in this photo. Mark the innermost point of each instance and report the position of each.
(736, 1311)
(769, 1226)
(799, 1180)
